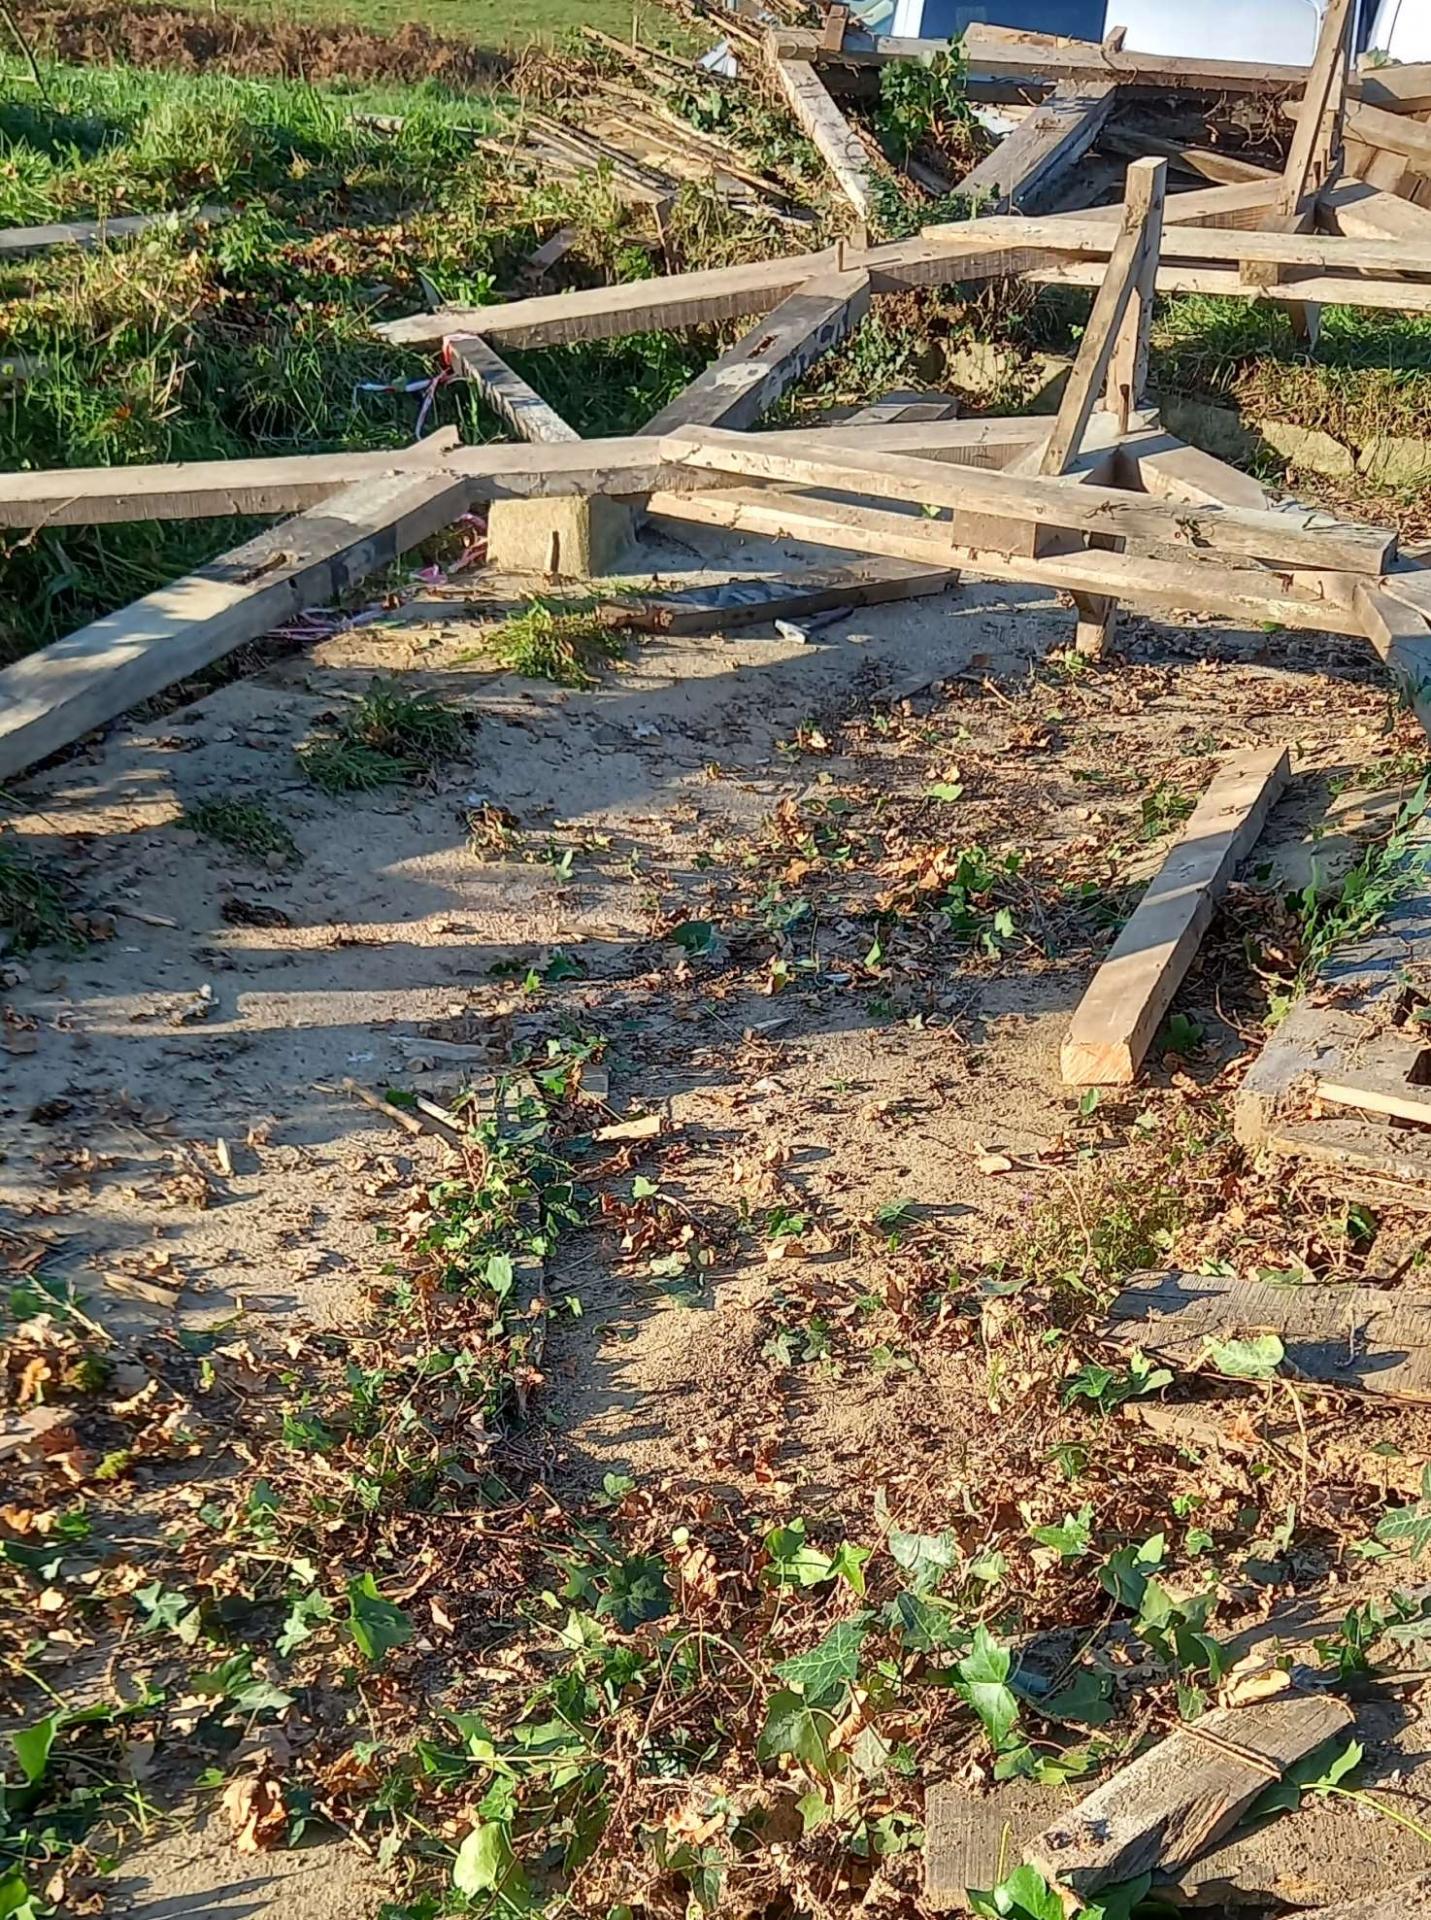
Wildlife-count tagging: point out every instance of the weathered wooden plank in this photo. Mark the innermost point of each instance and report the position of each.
(1392, 132)
(1410, 1901)
(1356, 210)
(1381, 1077)
(1127, 365)
(1037, 155)
(1317, 142)
(1093, 236)
(989, 52)
(505, 391)
(1400, 634)
(1374, 1339)
(1301, 538)
(751, 375)
(799, 593)
(1129, 270)
(1115, 1021)
(1170, 470)
(1181, 1795)
(821, 121)
(18, 242)
(1155, 585)
(974, 1840)
(54, 697)
(1325, 290)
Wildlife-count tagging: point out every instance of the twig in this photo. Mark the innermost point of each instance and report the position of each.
(28, 51)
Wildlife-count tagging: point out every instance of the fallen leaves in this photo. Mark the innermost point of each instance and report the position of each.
(254, 1805)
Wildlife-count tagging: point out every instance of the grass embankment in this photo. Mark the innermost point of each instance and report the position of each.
(254, 336)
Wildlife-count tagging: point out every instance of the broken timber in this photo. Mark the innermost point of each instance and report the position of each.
(1180, 1796)
(1120, 1013)
(1039, 153)
(828, 131)
(1371, 1339)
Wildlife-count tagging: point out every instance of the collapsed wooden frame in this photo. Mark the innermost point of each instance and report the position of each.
(1099, 503)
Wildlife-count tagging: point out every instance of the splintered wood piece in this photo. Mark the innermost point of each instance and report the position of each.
(1183, 1794)
(1116, 1019)
(1365, 1338)
(1317, 141)
(1410, 1901)
(1387, 1076)
(827, 129)
(751, 376)
(1041, 149)
(505, 391)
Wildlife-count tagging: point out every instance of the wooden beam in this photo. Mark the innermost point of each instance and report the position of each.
(987, 52)
(54, 697)
(1359, 211)
(1093, 236)
(1159, 586)
(1393, 132)
(1401, 635)
(18, 242)
(1111, 349)
(1155, 462)
(505, 392)
(1120, 1013)
(1363, 1338)
(1041, 150)
(1180, 1795)
(822, 123)
(750, 376)
(1207, 163)
(1393, 296)
(1398, 89)
(1302, 537)
(1316, 145)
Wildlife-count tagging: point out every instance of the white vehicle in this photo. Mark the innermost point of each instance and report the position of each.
(1282, 32)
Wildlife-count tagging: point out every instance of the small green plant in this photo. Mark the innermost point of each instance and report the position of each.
(385, 738)
(1108, 1387)
(33, 912)
(1182, 1035)
(557, 640)
(1382, 876)
(244, 826)
(923, 100)
(1161, 810)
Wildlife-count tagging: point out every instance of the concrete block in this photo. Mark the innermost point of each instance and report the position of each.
(1308, 448)
(569, 538)
(1216, 430)
(1396, 459)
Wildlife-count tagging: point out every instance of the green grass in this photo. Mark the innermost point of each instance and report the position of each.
(246, 827)
(33, 908)
(386, 738)
(556, 640)
(255, 336)
(482, 20)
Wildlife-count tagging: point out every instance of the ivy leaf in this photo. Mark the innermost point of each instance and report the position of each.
(376, 1624)
(16, 1900)
(305, 1612)
(792, 1562)
(848, 1565)
(983, 1683)
(1125, 1573)
(1070, 1540)
(485, 1862)
(1022, 1895)
(1085, 1700)
(499, 1274)
(1311, 1774)
(925, 1557)
(1408, 1526)
(793, 1726)
(695, 937)
(823, 1673)
(1256, 1359)
(32, 1747)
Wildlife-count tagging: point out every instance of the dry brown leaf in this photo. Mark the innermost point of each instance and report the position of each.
(254, 1805)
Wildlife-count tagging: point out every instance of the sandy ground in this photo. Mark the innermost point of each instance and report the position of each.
(128, 1062)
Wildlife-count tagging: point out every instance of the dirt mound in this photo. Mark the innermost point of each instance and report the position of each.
(162, 36)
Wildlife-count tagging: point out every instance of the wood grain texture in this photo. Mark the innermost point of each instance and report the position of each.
(1357, 210)
(1169, 469)
(521, 407)
(735, 390)
(1041, 150)
(1402, 636)
(1410, 1901)
(1117, 1018)
(828, 131)
(1181, 1795)
(1378, 1342)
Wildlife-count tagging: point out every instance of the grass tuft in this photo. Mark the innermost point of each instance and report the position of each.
(33, 909)
(386, 738)
(245, 826)
(557, 640)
